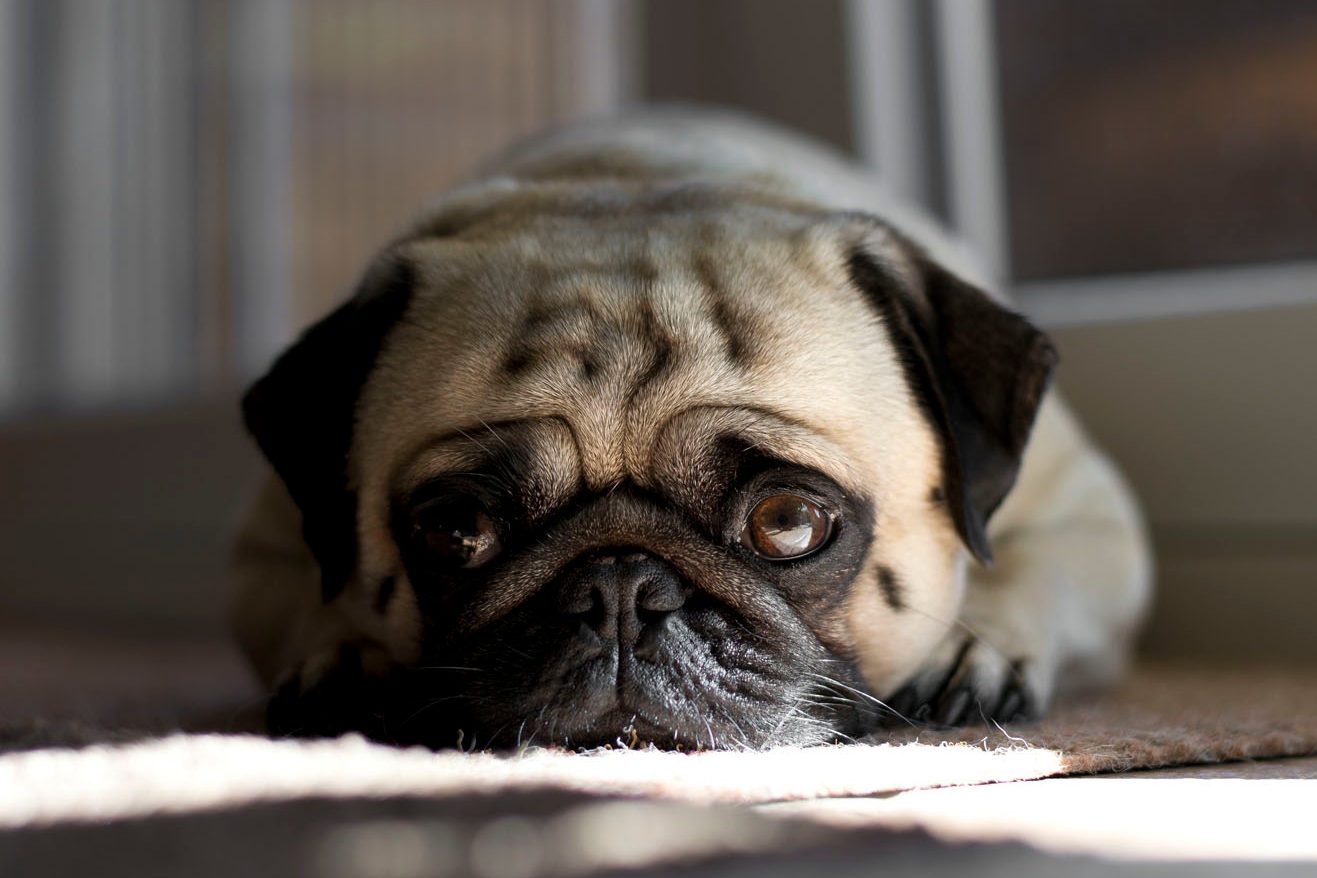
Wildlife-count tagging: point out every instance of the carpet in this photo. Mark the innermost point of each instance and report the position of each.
(1167, 716)
(1162, 716)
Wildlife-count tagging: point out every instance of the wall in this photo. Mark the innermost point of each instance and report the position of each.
(125, 520)
(1213, 418)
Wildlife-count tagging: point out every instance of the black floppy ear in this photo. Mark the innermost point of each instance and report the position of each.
(302, 413)
(979, 369)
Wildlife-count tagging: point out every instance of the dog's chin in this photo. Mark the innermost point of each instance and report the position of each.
(653, 706)
(632, 717)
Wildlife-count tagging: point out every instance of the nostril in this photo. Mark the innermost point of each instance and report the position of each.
(651, 618)
(660, 595)
(596, 616)
(619, 592)
(653, 634)
(588, 606)
(586, 599)
(587, 634)
(577, 601)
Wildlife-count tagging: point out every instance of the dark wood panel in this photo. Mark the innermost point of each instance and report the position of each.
(1142, 136)
(781, 59)
(123, 519)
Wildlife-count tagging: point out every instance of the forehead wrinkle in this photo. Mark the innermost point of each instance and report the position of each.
(689, 367)
(639, 335)
(591, 313)
(467, 448)
(779, 435)
(438, 458)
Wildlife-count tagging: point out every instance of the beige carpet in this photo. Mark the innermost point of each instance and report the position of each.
(1161, 717)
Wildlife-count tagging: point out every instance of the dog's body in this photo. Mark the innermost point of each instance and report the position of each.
(668, 426)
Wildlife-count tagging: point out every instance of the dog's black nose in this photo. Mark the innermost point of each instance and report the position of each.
(623, 594)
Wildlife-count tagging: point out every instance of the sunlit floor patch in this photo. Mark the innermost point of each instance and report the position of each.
(186, 773)
(1240, 811)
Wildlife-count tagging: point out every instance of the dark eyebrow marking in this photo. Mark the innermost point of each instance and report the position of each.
(541, 337)
(720, 309)
(891, 587)
(662, 348)
(517, 360)
(734, 342)
(524, 353)
(589, 367)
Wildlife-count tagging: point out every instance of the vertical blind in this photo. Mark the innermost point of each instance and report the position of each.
(185, 184)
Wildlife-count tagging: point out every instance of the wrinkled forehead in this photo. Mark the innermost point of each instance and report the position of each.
(699, 453)
(633, 349)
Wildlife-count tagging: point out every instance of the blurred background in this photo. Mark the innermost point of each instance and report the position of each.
(186, 183)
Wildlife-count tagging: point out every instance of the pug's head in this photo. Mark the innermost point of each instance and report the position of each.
(691, 465)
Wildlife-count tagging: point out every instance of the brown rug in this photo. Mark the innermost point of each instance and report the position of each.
(1161, 717)
(1164, 716)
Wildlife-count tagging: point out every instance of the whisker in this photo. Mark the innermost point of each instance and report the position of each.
(428, 706)
(713, 741)
(829, 681)
(494, 433)
(474, 441)
(521, 728)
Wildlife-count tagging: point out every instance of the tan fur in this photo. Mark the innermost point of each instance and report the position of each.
(583, 258)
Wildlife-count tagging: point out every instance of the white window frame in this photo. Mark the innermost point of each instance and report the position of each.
(888, 84)
(9, 272)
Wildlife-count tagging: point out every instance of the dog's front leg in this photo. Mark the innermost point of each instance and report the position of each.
(322, 667)
(1062, 601)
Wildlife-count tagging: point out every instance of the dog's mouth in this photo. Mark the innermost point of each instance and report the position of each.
(663, 680)
(621, 650)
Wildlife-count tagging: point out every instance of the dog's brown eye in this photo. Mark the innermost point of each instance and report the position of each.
(787, 526)
(461, 535)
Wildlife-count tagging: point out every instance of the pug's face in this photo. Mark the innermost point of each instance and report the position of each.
(689, 466)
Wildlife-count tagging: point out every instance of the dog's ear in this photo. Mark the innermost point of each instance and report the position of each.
(979, 369)
(302, 413)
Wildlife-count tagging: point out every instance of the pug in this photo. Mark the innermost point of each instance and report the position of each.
(675, 429)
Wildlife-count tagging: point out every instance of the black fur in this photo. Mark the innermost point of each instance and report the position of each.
(302, 413)
(979, 371)
(891, 587)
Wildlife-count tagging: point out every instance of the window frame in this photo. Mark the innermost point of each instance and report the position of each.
(892, 76)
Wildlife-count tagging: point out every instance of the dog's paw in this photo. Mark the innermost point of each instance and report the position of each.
(968, 681)
(333, 692)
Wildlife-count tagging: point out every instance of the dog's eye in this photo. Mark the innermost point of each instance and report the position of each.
(787, 526)
(460, 534)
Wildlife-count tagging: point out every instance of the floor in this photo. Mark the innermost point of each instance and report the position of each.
(1219, 819)
(1240, 811)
